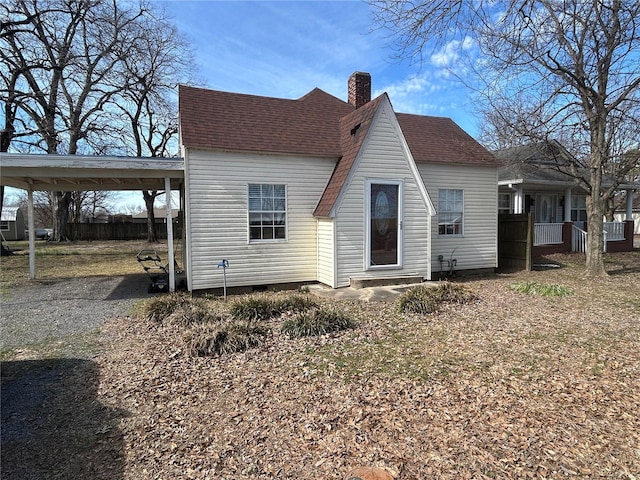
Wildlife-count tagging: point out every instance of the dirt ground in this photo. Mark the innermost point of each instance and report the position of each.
(510, 386)
(53, 424)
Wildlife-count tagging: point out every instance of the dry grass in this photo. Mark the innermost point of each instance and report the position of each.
(510, 386)
(56, 261)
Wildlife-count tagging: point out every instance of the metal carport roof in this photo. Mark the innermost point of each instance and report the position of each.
(68, 173)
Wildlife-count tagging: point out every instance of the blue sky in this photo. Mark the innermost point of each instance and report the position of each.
(285, 49)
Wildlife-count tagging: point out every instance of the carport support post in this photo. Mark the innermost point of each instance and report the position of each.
(172, 261)
(32, 236)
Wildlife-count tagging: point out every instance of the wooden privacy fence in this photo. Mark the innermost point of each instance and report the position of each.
(515, 241)
(118, 231)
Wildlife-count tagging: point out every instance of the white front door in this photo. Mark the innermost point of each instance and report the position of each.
(546, 208)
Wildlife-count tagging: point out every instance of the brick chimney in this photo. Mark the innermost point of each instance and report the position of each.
(359, 89)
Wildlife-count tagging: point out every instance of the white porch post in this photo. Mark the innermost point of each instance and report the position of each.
(518, 200)
(172, 261)
(629, 212)
(32, 236)
(567, 205)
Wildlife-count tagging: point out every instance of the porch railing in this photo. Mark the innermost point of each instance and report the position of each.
(578, 239)
(614, 231)
(547, 234)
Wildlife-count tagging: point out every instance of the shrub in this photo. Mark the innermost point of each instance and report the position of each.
(158, 308)
(177, 309)
(210, 339)
(192, 312)
(262, 308)
(253, 308)
(295, 304)
(316, 322)
(426, 299)
(545, 290)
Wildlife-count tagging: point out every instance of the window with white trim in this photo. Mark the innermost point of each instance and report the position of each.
(451, 209)
(4, 225)
(505, 203)
(267, 211)
(579, 209)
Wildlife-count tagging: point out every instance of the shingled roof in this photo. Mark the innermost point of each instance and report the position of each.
(441, 140)
(215, 120)
(310, 125)
(546, 163)
(316, 125)
(353, 131)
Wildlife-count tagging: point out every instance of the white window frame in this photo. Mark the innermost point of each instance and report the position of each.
(508, 195)
(442, 211)
(264, 210)
(4, 225)
(578, 205)
(367, 234)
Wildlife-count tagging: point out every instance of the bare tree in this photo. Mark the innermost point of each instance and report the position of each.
(88, 205)
(43, 207)
(163, 59)
(64, 59)
(545, 69)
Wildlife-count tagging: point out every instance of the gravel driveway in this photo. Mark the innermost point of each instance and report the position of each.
(53, 401)
(44, 311)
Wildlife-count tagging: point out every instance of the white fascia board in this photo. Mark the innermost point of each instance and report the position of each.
(92, 162)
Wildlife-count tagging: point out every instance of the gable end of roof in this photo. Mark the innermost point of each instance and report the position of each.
(354, 129)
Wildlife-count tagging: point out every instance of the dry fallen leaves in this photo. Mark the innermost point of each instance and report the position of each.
(510, 386)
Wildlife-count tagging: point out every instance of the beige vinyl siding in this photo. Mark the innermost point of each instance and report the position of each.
(382, 158)
(217, 208)
(326, 251)
(477, 247)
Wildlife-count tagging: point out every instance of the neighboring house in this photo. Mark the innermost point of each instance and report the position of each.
(100, 217)
(12, 223)
(531, 181)
(318, 189)
(159, 213)
(620, 214)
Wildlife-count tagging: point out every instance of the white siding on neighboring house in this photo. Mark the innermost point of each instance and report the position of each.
(216, 197)
(477, 247)
(326, 252)
(382, 158)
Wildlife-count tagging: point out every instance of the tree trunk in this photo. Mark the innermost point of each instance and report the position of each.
(149, 200)
(595, 237)
(609, 209)
(5, 140)
(63, 200)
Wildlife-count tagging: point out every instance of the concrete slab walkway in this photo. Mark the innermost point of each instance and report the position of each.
(386, 293)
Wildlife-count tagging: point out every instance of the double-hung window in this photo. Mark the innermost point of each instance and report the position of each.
(267, 211)
(451, 209)
(579, 209)
(505, 203)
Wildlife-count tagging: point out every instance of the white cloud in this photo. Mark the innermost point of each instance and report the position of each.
(411, 94)
(449, 55)
(412, 85)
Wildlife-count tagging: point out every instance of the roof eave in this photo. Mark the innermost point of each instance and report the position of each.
(330, 156)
